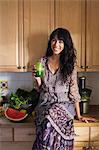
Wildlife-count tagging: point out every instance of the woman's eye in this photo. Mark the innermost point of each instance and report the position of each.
(53, 41)
(60, 41)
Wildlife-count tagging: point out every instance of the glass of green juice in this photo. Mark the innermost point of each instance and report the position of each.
(39, 69)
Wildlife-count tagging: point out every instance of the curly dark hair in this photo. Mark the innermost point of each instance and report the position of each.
(68, 55)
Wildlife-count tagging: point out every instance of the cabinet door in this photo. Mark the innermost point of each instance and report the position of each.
(10, 34)
(94, 137)
(80, 145)
(6, 134)
(16, 145)
(92, 35)
(24, 134)
(71, 15)
(81, 137)
(38, 23)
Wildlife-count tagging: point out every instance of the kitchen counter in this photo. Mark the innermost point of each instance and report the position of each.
(93, 112)
(29, 122)
(21, 135)
(4, 122)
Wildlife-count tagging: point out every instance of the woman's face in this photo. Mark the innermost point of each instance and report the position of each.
(57, 46)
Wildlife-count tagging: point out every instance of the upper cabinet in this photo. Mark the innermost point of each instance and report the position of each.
(38, 24)
(70, 15)
(10, 35)
(92, 35)
(24, 30)
(25, 26)
(81, 18)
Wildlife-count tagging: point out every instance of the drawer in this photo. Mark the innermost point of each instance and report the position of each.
(6, 134)
(82, 134)
(16, 145)
(80, 144)
(94, 133)
(24, 134)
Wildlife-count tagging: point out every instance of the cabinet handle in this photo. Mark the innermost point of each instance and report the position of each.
(92, 148)
(76, 135)
(19, 67)
(87, 67)
(85, 147)
(88, 148)
(24, 67)
(82, 67)
(30, 134)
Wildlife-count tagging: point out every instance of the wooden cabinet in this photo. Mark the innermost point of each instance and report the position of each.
(71, 15)
(24, 29)
(24, 134)
(86, 137)
(26, 24)
(11, 35)
(81, 18)
(92, 35)
(6, 134)
(81, 137)
(94, 137)
(17, 138)
(38, 23)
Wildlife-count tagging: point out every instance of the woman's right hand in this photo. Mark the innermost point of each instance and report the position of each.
(38, 79)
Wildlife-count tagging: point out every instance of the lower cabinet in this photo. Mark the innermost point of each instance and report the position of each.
(16, 145)
(6, 134)
(22, 137)
(24, 134)
(94, 137)
(87, 137)
(81, 138)
(17, 138)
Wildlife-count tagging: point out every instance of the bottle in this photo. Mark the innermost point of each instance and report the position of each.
(39, 69)
(82, 81)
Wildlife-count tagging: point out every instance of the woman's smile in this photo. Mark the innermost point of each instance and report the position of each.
(57, 46)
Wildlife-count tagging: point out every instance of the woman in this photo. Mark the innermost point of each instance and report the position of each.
(59, 96)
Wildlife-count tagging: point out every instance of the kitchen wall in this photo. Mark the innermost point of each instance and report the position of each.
(17, 80)
(25, 81)
(92, 82)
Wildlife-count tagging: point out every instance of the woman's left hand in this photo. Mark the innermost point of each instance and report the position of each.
(87, 119)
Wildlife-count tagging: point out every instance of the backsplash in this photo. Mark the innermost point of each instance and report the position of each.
(92, 82)
(17, 80)
(25, 81)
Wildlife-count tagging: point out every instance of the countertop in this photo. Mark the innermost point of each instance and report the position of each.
(29, 122)
(93, 112)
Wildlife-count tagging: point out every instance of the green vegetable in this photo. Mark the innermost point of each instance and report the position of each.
(22, 97)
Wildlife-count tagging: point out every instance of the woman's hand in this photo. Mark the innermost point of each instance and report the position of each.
(38, 79)
(87, 119)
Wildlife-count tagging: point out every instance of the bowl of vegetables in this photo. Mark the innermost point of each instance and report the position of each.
(23, 99)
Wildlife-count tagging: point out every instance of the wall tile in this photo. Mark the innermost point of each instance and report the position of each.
(18, 80)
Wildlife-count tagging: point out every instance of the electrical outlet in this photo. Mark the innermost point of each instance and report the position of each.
(3, 84)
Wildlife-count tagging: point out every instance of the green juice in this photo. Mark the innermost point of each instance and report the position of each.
(39, 69)
(39, 73)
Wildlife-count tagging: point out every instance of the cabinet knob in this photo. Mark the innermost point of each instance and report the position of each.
(30, 134)
(19, 67)
(92, 148)
(82, 67)
(88, 148)
(76, 135)
(87, 67)
(24, 67)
